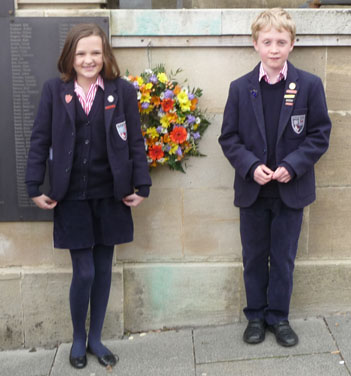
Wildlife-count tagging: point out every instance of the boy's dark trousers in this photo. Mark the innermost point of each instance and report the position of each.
(269, 234)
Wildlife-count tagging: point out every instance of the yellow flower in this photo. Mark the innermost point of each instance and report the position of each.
(164, 121)
(145, 97)
(152, 132)
(185, 106)
(148, 86)
(174, 148)
(182, 97)
(162, 77)
(147, 110)
(140, 81)
(181, 120)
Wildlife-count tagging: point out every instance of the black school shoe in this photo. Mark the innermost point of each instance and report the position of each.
(77, 362)
(105, 360)
(255, 331)
(284, 334)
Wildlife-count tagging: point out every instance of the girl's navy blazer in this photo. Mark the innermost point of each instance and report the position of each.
(303, 135)
(54, 135)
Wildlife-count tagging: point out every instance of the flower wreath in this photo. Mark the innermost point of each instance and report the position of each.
(171, 122)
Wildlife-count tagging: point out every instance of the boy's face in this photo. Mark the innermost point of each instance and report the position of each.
(274, 47)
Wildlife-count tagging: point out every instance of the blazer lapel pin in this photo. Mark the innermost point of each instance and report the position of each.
(290, 94)
(68, 98)
(254, 93)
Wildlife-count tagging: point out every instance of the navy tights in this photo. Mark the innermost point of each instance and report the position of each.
(91, 281)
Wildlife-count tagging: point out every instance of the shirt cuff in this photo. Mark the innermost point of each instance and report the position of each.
(143, 191)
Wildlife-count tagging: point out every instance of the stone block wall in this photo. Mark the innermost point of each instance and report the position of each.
(184, 267)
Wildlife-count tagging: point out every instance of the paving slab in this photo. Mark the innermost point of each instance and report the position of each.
(340, 326)
(157, 354)
(311, 365)
(26, 362)
(225, 343)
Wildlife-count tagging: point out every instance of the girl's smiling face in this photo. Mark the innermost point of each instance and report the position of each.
(88, 59)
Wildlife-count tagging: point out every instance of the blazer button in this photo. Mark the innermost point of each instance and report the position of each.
(85, 160)
(68, 169)
(86, 142)
(70, 152)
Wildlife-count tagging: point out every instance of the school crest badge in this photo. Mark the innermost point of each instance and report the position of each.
(122, 130)
(298, 123)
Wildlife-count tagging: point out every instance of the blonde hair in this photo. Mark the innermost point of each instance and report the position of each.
(276, 17)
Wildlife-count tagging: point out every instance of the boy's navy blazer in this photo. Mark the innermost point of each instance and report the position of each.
(243, 136)
(54, 135)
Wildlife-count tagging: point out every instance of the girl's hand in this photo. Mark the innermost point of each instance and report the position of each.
(133, 200)
(44, 202)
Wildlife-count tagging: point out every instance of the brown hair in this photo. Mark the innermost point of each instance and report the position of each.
(110, 68)
(276, 17)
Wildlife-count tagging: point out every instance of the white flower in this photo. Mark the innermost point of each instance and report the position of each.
(198, 120)
(139, 95)
(162, 96)
(148, 71)
(185, 89)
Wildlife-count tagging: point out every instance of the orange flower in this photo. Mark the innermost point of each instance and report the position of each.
(155, 101)
(172, 117)
(156, 152)
(149, 142)
(178, 135)
(167, 104)
(166, 138)
(193, 104)
(177, 90)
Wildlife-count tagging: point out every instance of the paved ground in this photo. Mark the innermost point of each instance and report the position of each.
(324, 350)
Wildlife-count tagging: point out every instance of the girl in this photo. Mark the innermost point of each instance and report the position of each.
(88, 128)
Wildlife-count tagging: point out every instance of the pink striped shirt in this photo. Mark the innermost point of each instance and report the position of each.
(87, 100)
(281, 76)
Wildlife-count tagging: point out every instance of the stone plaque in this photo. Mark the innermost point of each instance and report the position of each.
(30, 48)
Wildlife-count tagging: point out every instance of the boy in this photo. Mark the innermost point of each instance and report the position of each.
(275, 128)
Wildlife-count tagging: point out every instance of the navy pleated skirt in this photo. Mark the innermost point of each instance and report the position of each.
(84, 223)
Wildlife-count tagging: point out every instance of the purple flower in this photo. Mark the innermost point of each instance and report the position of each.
(159, 129)
(136, 85)
(191, 119)
(145, 105)
(179, 151)
(167, 148)
(191, 96)
(169, 94)
(196, 135)
(153, 79)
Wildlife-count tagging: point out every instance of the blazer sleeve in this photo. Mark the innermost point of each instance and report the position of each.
(141, 176)
(232, 145)
(40, 143)
(318, 130)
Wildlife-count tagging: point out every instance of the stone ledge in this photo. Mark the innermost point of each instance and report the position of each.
(197, 22)
(204, 22)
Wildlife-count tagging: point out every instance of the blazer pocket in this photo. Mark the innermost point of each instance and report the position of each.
(119, 134)
(297, 125)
